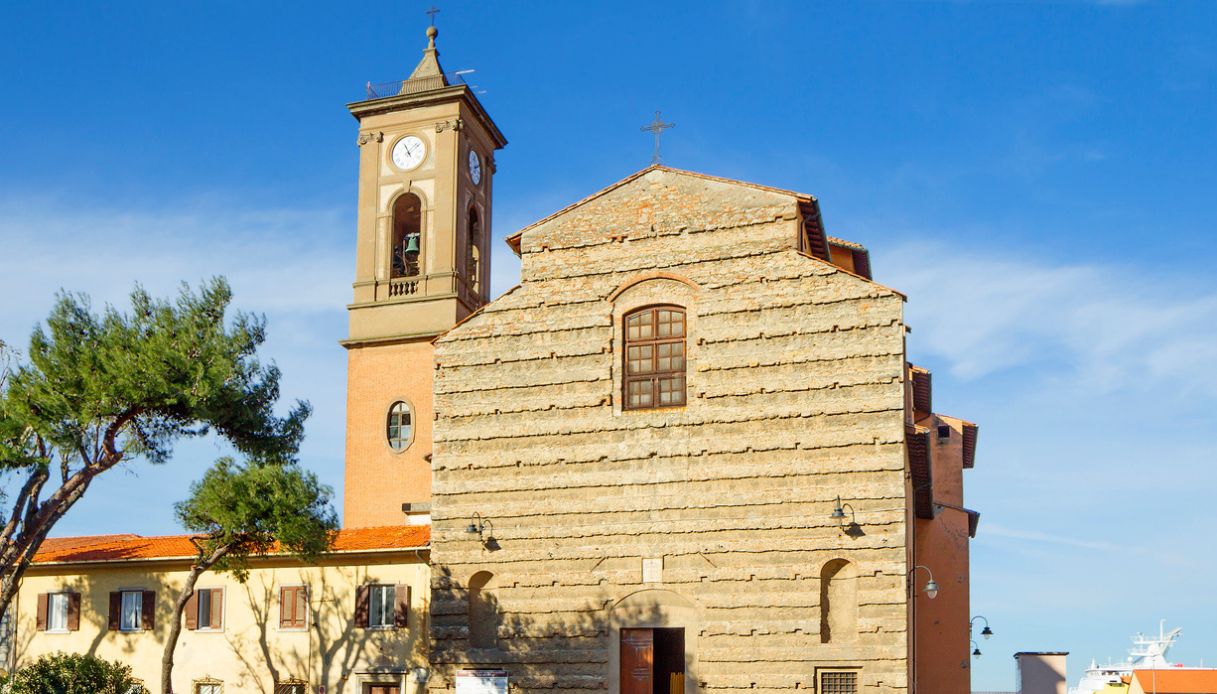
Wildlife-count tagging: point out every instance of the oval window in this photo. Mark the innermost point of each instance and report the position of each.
(400, 426)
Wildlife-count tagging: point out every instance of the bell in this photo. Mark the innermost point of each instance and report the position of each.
(412, 244)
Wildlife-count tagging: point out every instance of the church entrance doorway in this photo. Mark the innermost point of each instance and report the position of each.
(652, 661)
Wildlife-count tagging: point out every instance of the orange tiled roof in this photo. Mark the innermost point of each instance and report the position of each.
(1178, 680)
(133, 547)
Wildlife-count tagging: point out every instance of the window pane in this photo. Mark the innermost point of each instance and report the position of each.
(672, 390)
(204, 609)
(380, 612)
(57, 612)
(388, 603)
(398, 429)
(640, 359)
(839, 683)
(131, 607)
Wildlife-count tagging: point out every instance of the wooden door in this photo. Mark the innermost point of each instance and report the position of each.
(383, 689)
(637, 661)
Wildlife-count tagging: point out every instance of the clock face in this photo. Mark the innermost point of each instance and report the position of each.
(408, 152)
(475, 167)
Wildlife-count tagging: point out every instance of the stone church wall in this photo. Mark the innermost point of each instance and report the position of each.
(714, 517)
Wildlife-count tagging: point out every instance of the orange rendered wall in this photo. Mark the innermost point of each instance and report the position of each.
(378, 479)
(943, 652)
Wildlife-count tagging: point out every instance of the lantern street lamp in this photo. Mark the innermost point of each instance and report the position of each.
(931, 588)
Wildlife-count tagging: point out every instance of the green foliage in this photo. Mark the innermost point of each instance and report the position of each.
(254, 508)
(73, 673)
(133, 383)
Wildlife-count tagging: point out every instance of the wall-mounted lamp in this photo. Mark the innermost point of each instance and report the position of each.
(483, 528)
(931, 588)
(975, 650)
(986, 632)
(838, 512)
(421, 674)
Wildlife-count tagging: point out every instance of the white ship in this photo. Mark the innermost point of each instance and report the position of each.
(1147, 653)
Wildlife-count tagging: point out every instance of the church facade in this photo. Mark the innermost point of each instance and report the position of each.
(687, 453)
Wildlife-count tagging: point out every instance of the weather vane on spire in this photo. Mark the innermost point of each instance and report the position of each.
(432, 12)
(656, 127)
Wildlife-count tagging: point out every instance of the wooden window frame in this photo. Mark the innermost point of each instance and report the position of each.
(282, 602)
(198, 606)
(654, 376)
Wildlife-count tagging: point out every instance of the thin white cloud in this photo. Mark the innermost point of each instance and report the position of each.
(1103, 327)
(991, 529)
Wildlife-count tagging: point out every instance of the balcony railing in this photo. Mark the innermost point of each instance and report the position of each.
(384, 90)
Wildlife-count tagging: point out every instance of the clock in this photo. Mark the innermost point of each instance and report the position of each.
(408, 152)
(475, 168)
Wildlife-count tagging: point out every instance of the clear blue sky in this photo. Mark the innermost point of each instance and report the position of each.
(1038, 177)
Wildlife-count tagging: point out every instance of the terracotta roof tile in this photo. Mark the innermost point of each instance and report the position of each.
(134, 547)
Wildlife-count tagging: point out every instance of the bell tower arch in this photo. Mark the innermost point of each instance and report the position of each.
(426, 158)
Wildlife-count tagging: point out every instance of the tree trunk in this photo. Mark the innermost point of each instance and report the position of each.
(175, 623)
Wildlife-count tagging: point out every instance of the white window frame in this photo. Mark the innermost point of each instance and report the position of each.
(206, 687)
(139, 611)
(64, 600)
(198, 609)
(382, 590)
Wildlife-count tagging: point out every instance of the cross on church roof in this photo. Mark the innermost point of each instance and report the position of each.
(656, 127)
(432, 12)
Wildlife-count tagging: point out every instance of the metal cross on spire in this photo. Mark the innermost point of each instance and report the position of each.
(656, 127)
(432, 12)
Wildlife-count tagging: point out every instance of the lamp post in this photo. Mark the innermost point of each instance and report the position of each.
(931, 588)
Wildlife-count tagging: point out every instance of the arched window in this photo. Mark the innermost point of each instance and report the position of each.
(655, 358)
(407, 235)
(473, 253)
(400, 427)
(483, 612)
(838, 602)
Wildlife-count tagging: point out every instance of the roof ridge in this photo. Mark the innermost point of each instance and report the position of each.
(642, 172)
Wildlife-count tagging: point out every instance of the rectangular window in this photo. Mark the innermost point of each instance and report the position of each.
(382, 600)
(293, 607)
(57, 612)
(655, 358)
(208, 688)
(291, 688)
(131, 616)
(839, 682)
(210, 608)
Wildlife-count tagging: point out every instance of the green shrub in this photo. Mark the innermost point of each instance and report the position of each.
(73, 673)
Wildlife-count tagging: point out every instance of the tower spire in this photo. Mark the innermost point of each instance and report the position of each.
(427, 74)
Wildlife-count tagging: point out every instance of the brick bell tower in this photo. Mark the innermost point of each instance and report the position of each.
(422, 263)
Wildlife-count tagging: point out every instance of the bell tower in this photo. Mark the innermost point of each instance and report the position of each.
(426, 160)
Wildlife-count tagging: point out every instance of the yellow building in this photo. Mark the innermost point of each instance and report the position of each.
(357, 621)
